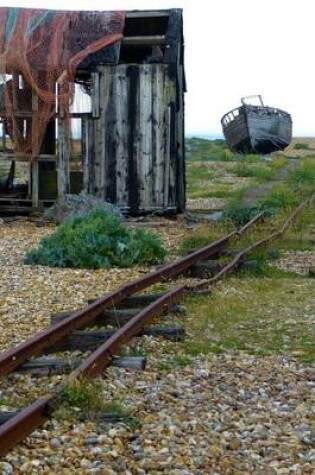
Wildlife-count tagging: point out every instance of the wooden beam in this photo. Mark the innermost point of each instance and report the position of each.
(150, 40)
(63, 168)
(90, 340)
(35, 149)
(147, 14)
(53, 366)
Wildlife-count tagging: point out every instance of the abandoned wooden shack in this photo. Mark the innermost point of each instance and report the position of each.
(98, 106)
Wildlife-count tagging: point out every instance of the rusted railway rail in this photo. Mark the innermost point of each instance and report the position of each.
(20, 425)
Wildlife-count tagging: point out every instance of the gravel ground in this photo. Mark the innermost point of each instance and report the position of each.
(221, 414)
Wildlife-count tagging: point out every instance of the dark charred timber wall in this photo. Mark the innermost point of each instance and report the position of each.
(134, 152)
(134, 148)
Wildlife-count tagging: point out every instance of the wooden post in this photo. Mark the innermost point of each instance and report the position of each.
(167, 157)
(63, 167)
(35, 151)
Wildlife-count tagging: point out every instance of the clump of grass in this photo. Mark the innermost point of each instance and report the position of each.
(305, 174)
(83, 394)
(88, 397)
(279, 161)
(259, 169)
(250, 158)
(203, 236)
(173, 362)
(301, 146)
(260, 172)
(281, 197)
(94, 240)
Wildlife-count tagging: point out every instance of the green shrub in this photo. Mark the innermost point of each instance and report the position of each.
(95, 240)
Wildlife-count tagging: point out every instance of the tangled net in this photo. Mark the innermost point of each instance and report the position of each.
(40, 51)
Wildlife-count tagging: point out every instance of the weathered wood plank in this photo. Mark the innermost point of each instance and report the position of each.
(129, 362)
(145, 136)
(6, 415)
(95, 95)
(133, 145)
(122, 134)
(147, 13)
(89, 341)
(180, 171)
(158, 129)
(109, 169)
(174, 37)
(147, 40)
(35, 147)
(136, 300)
(53, 366)
(166, 175)
(99, 182)
(116, 317)
(48, 367)
(63, 166)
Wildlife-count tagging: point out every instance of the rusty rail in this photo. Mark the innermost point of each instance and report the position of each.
(34, 415)
(19, 426)
(239, 258)
(14, 357)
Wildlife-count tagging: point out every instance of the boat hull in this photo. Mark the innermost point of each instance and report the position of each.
(257, 129)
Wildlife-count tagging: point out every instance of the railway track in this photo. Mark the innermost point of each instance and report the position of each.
(21, 424)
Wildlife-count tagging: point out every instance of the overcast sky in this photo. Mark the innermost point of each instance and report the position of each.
(235, 48)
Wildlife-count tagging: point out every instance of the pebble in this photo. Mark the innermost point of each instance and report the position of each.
(6, 468)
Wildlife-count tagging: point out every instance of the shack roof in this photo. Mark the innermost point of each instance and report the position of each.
(47, 40)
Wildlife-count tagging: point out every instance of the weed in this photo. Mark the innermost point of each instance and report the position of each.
(239, 215)
(278, 162)
(134, 350)
(83, 394)
(305, 174)
(203, 236)
(301, 146)
(281, 197)
(88, 396)
(261, 172)
(174, 361)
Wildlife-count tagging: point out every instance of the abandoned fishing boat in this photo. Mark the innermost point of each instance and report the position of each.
(256, 129)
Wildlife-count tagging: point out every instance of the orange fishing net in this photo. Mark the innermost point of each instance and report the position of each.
(40, 51)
